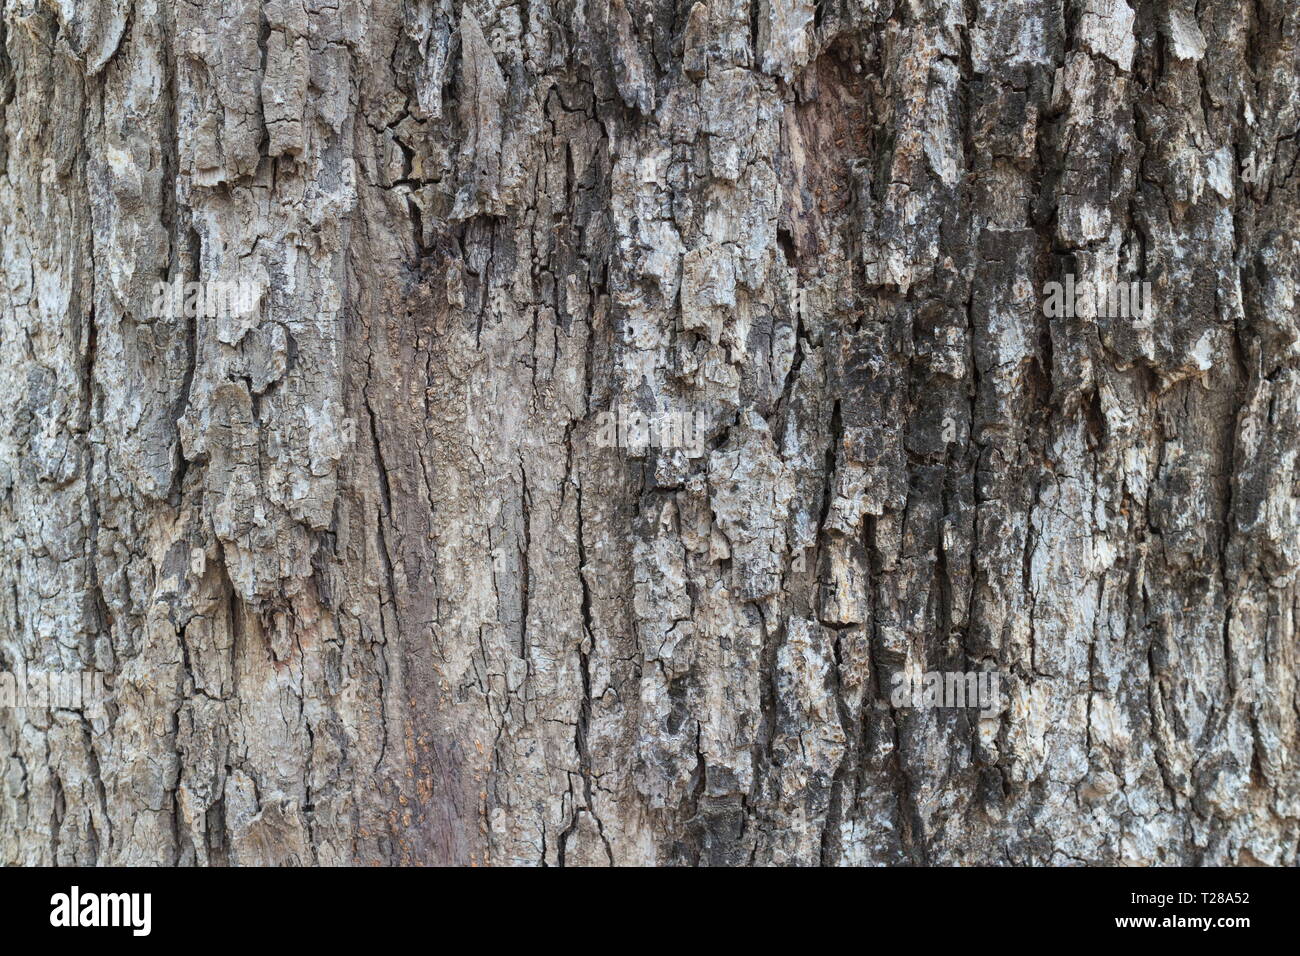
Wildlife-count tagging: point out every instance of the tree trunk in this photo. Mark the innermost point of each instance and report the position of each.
(378, 571)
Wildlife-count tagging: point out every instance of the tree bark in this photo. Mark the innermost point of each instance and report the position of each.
(366, 582)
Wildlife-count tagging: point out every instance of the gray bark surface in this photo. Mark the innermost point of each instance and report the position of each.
(367, 587)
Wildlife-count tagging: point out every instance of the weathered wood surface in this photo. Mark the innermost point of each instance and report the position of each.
(368, 589)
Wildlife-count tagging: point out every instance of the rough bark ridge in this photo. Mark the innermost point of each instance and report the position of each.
(368, 589)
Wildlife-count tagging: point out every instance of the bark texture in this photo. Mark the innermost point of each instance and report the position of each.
(367, 587)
